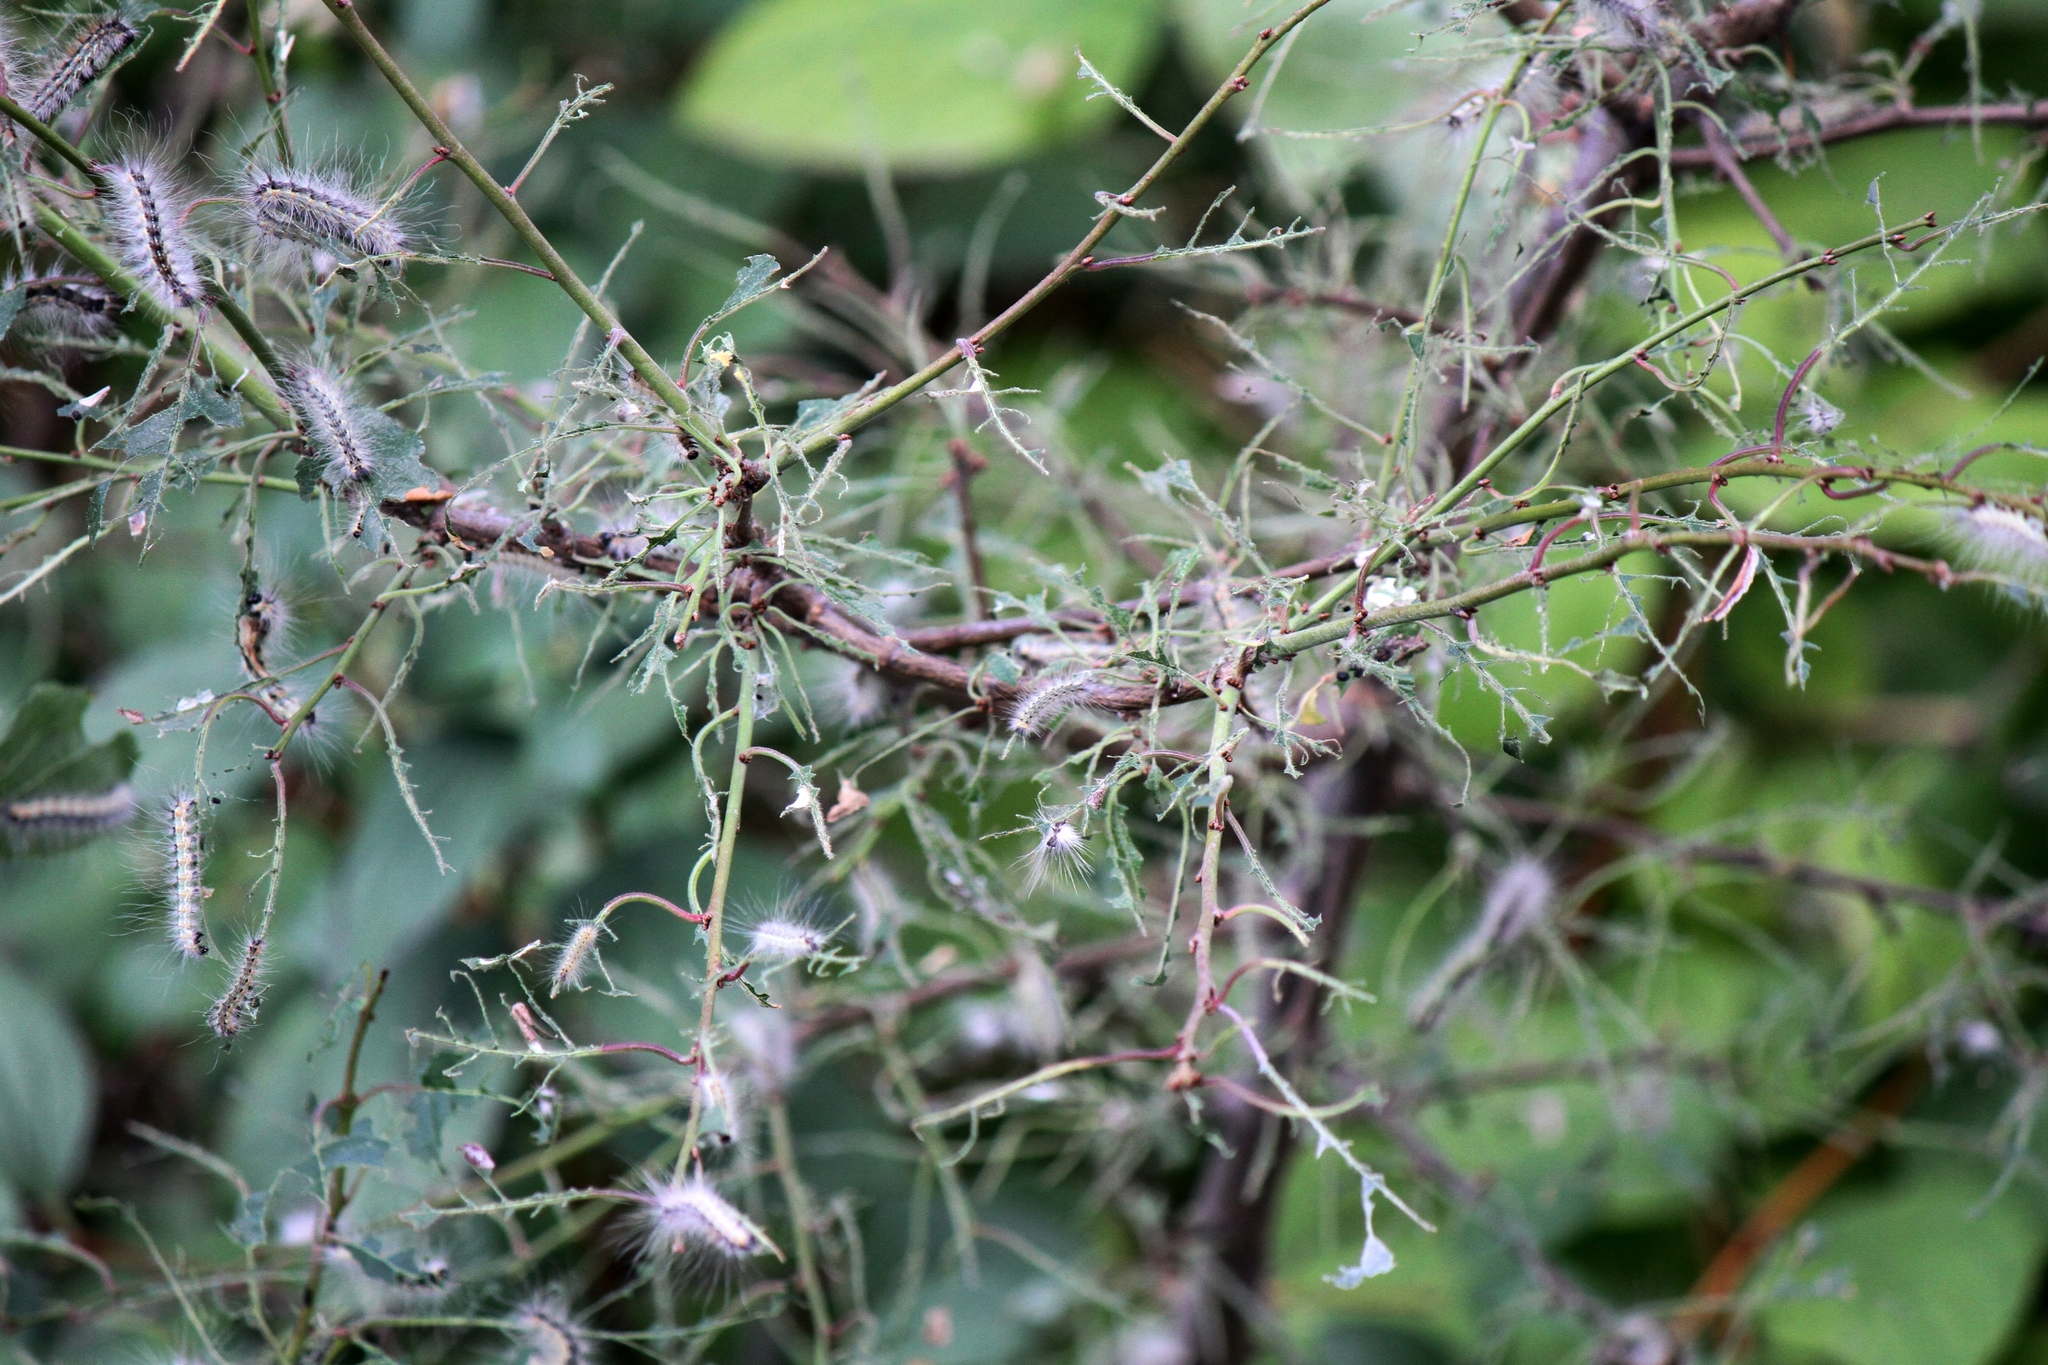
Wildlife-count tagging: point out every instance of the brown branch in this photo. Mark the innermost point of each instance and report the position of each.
(1792, 1196)
(1730, 169)
(1787, 142)
(966, 464)
(1344, 300)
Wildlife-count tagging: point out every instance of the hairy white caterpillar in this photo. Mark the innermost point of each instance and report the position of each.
(259, 626)
(65, 308)
(329, 416)
(93, 49)
(185, 888)
(1999, 540)
(324, 210)
(237, 1006)
(261, 622)
(549, 1335)
(781, 939)
(147, 219)
(689, 1225)
(1040, 707)
(64, 817)
(572, 959)
(1058, 853)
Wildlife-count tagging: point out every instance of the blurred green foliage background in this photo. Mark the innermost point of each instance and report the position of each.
(555, 789)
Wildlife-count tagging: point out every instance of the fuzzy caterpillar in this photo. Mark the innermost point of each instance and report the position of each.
(62, 306)
(237, 1006)
(147, 219)
(87, 57)
(185, 888)
(65, 817)
(328, 414)
(689, 1224)
(572, 959)
(300, 208)
(1041, 706)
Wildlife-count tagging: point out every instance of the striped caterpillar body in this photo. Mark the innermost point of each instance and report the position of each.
(148, 221)
(237, 1006)
(572, 959)
(262, 619)
(551, 1336)
(87, 57)
(690, 1225)
(185, 890)
(63, 306)
(785, 940)
(299, 208)
(1040, 707)
(1994, 539)
(327, 414)
(61, 818)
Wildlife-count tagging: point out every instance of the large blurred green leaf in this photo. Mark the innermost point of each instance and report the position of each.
(1928, 1283)
(44, 754)
(46, 1090)
(927, 84)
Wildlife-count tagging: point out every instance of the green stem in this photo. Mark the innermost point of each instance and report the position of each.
(594, 308)
(1294, 642)
(1075, 260)
(1441, 270)
(345, 1105)
(65, 233)
(644, 365)
(793, 1189)
(49, 137)
(714, 927)
(267, 78)
(391, 593)
(1573, 383)
(113, 467)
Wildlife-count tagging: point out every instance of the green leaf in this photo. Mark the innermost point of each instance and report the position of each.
(391, 1267)
(1916, 1279)
(925, 84)
(46, 1090)
(429, 1109)
(205, 399)
(750, 284)
(250, 1228)
(10, 307)
(356, 1149)
(96, 511)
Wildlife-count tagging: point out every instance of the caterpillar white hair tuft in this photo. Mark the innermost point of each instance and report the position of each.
(58, 819)
(330, 417)
(1040, 707)
(146, 218)
(89, 53)
(236, 1008)
(185, 886)
(1993, 539)
(293, 209)
(687, 1225)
